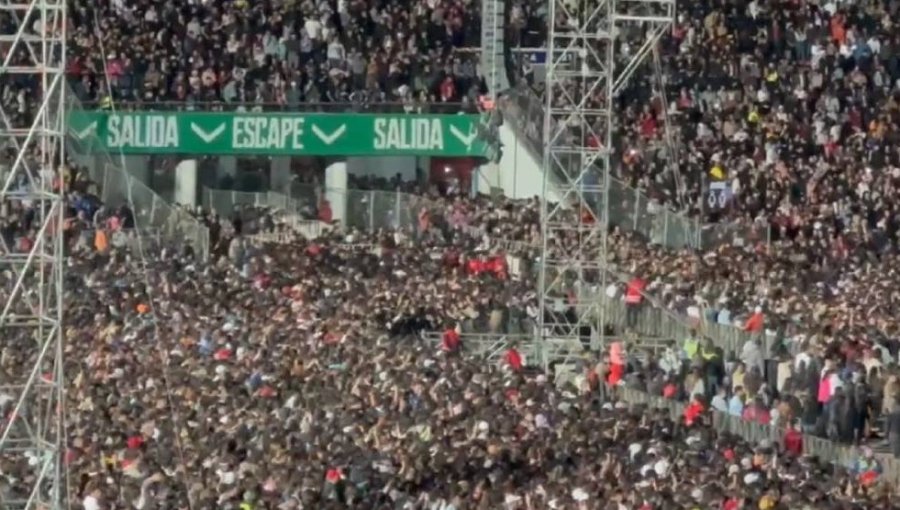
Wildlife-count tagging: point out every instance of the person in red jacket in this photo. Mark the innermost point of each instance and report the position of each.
(755, 322)
(497, 266)
(793, 441)
(513, 359)
(693, 411)
(450, 340)
(633, 299)
(475, 267)
(757, 412)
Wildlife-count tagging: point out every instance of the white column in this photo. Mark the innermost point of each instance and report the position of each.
(336, 190)
(186, 182)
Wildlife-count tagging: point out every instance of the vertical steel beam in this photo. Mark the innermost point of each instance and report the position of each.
(594, 47)
(32, 127)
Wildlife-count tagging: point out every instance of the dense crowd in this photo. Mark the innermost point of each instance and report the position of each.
(809, 315)
(293, 378)
(281, 53)
(813, 305)
(793, 109)
(297, 378)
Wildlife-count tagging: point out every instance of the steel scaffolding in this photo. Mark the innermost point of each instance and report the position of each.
(31, 256)
(593, 49)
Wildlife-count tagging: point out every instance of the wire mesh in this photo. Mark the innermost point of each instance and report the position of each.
(116, 186)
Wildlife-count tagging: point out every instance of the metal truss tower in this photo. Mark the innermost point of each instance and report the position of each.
(32, 162)
(594, 47)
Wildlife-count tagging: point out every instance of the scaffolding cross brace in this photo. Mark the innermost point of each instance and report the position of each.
(594, 47)
(32, 163)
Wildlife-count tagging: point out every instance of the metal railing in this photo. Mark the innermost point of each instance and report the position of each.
(628, 206)
(367, 210)
(373, 210)
(115, 187)
(149, 239)
(492, 347)
(826, 450)
(272, 237)
(449, 108)
(227, 202)
(653, 320)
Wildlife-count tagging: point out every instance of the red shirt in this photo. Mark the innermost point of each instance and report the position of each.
(756, 414)
(450, 340)
(755, 323)
(633, 294)
(648, 126)
(692, 412)
(497, 266)
(475, 267)
(514, 359)
(793, 441)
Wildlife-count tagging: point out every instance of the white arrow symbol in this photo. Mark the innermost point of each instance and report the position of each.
(90, 128)
(465, 139)
(325, 137)
(207, 136)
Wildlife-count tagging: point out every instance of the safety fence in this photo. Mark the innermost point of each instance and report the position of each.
(116, 187)
(227, 202)
(134, 240)
(629, 207)
(650, 319)
(656, 321)
(272, 238)
(372, 210)
(494, 347)
(366, 210)
(753, 432)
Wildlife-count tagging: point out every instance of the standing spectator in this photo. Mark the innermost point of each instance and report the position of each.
(633, 299)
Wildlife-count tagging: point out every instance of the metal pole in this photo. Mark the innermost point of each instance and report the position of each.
(371, 211)
(31, 321)
(666, 240)
(397, 210)
(637, 210)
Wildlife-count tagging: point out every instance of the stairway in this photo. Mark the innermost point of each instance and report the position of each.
(493, 45)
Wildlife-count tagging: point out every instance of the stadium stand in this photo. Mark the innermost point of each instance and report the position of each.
(293, 379)
(273, 378)
(276, 53)
(794, 110)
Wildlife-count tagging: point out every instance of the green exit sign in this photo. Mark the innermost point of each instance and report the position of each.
(280, 134)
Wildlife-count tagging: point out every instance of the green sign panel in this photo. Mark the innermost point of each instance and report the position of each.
(277, 134)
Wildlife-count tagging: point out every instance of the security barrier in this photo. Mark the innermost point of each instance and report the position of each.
(826, 450)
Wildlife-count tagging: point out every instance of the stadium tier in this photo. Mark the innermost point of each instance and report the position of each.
(291, 255)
